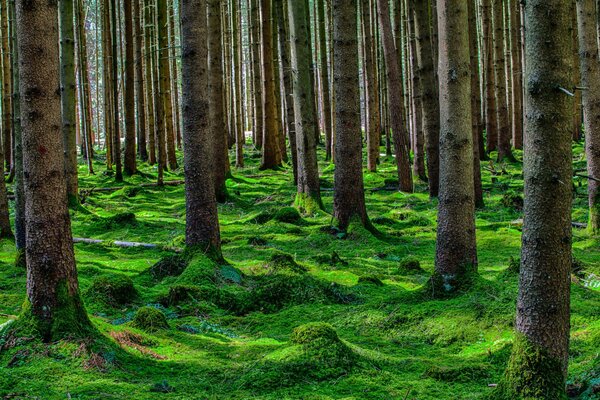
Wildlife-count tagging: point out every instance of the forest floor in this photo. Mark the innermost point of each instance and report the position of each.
(229, 333)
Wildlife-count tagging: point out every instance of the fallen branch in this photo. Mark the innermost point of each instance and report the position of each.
(120, 243)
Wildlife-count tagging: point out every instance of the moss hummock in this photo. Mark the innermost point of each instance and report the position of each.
(150, 319)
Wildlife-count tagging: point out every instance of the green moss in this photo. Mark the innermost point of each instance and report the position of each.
(114, 290)
(118, 220)
(257, 241)
(512, 199)
(282, 262)
(20, 258)
(444, 286)
(149, 319)
(288, 215)
(409, 265)
(171, 265)
(68, 319)
(458, 373)
(532, 374)
(370, 280)
(309, 334)
(306, 204)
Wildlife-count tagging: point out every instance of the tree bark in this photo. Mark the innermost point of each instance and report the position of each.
(456, 251)
(129, 166)
(538, 364)
(140, 99)
(202, 222)
(517, 74)
(53, 309)
(308, 198)
(394, 82)
(491, 118)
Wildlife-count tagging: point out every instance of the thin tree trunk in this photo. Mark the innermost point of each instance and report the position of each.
(129, 166)
(475, 103)
(116, 140)
(517, 74)
(148, 81)
(140, 100)
(6, 89)
(256, 73)
(20, 235)
(324, 76)
(373, 128)
(491, 118)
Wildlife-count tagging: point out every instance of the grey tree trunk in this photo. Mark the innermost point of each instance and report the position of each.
(456, 251)
(202, 222)
(538, 365)
(308, 198)
(53, 309)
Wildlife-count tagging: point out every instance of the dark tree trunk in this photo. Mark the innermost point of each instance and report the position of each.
(456, 251)
(538, 365)
(129, 166)
(53, 309)
(202, 223)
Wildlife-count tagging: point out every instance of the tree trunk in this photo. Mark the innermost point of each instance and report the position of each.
(491, 119)
(538, 365)
(394, 82)
(140, 100)
(308, 198)
(202, 223)
(116, 140)
(373, 128)
(256, 73)
(271, 156)
(53, 309)
(217, 117)
(148, 81)
(173, 47)
(456, 251)
(324, 75)
(236, 48)
(590, 79)
(6, 90)
(129, 166)
(517, 74)
(429, 94)
(348, 195)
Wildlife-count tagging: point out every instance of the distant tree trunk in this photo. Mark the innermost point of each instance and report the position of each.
(373, 128)
(540, 352)
(429, 94)
(456, 251)
(202, 222)
(348, 195)
(174, 74)
(256, 73)
(68, 93)
(107, 84)
(504, 132)
(237, 84)
(271, 156)
(475, 104)
(577, 104)
(149, 90)
(215, 100)
(324, 75)
(590, 79)
(491, 118)
(517, 74)
(53, 309)
(394, 82)
(165, 81)
(116, 140)
(129, 166)
(140, 99)
(86, 97)
(308, 198)
(6, 90)
(285, 51)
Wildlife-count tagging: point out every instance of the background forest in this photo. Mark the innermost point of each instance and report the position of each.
(303, 199)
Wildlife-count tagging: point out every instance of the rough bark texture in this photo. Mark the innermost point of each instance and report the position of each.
(348, 196)
(271, 156)
(590, 79)
(129, 166)
(308, 198)
(116, 139)
(429, 94)
(53, 309)
(256, 73)
(395, 102)
(538, 364)
(373, 128)
(148, 82)
(202, 223)
(456, 252)
(6, 90)
(215, 82)
(517, 74)
(491, 118)
(237, 112)
(140, 99)
(324, 74)
(504, 132)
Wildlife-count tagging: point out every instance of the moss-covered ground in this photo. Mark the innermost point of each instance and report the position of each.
(230, 328)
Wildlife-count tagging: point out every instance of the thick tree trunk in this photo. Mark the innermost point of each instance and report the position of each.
(456, 251)
(429, 94)
(395, 102)
(129, 166)
(202, 223)
(53, 309)
(217, 117)
(271, 156)
(308, 198)
(538, 365)
(348, 196)
(20, 239)
(7, 129)
(590, 79)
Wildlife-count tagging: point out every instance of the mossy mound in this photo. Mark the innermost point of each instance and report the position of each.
(514, 266)
(312, 332)
(119, 220)
(370, 280)
(257, 241)
(150, 319)
(262, 218)
(409, 265)
(512, 200)
(283, 262)
(289, 215)
(460, 373)
(172, 265)
(383, 221)
(114, 290)
(333, 260)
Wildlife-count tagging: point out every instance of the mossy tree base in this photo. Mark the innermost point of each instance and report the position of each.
(532, 374)
(307, 204)
(449, 285)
